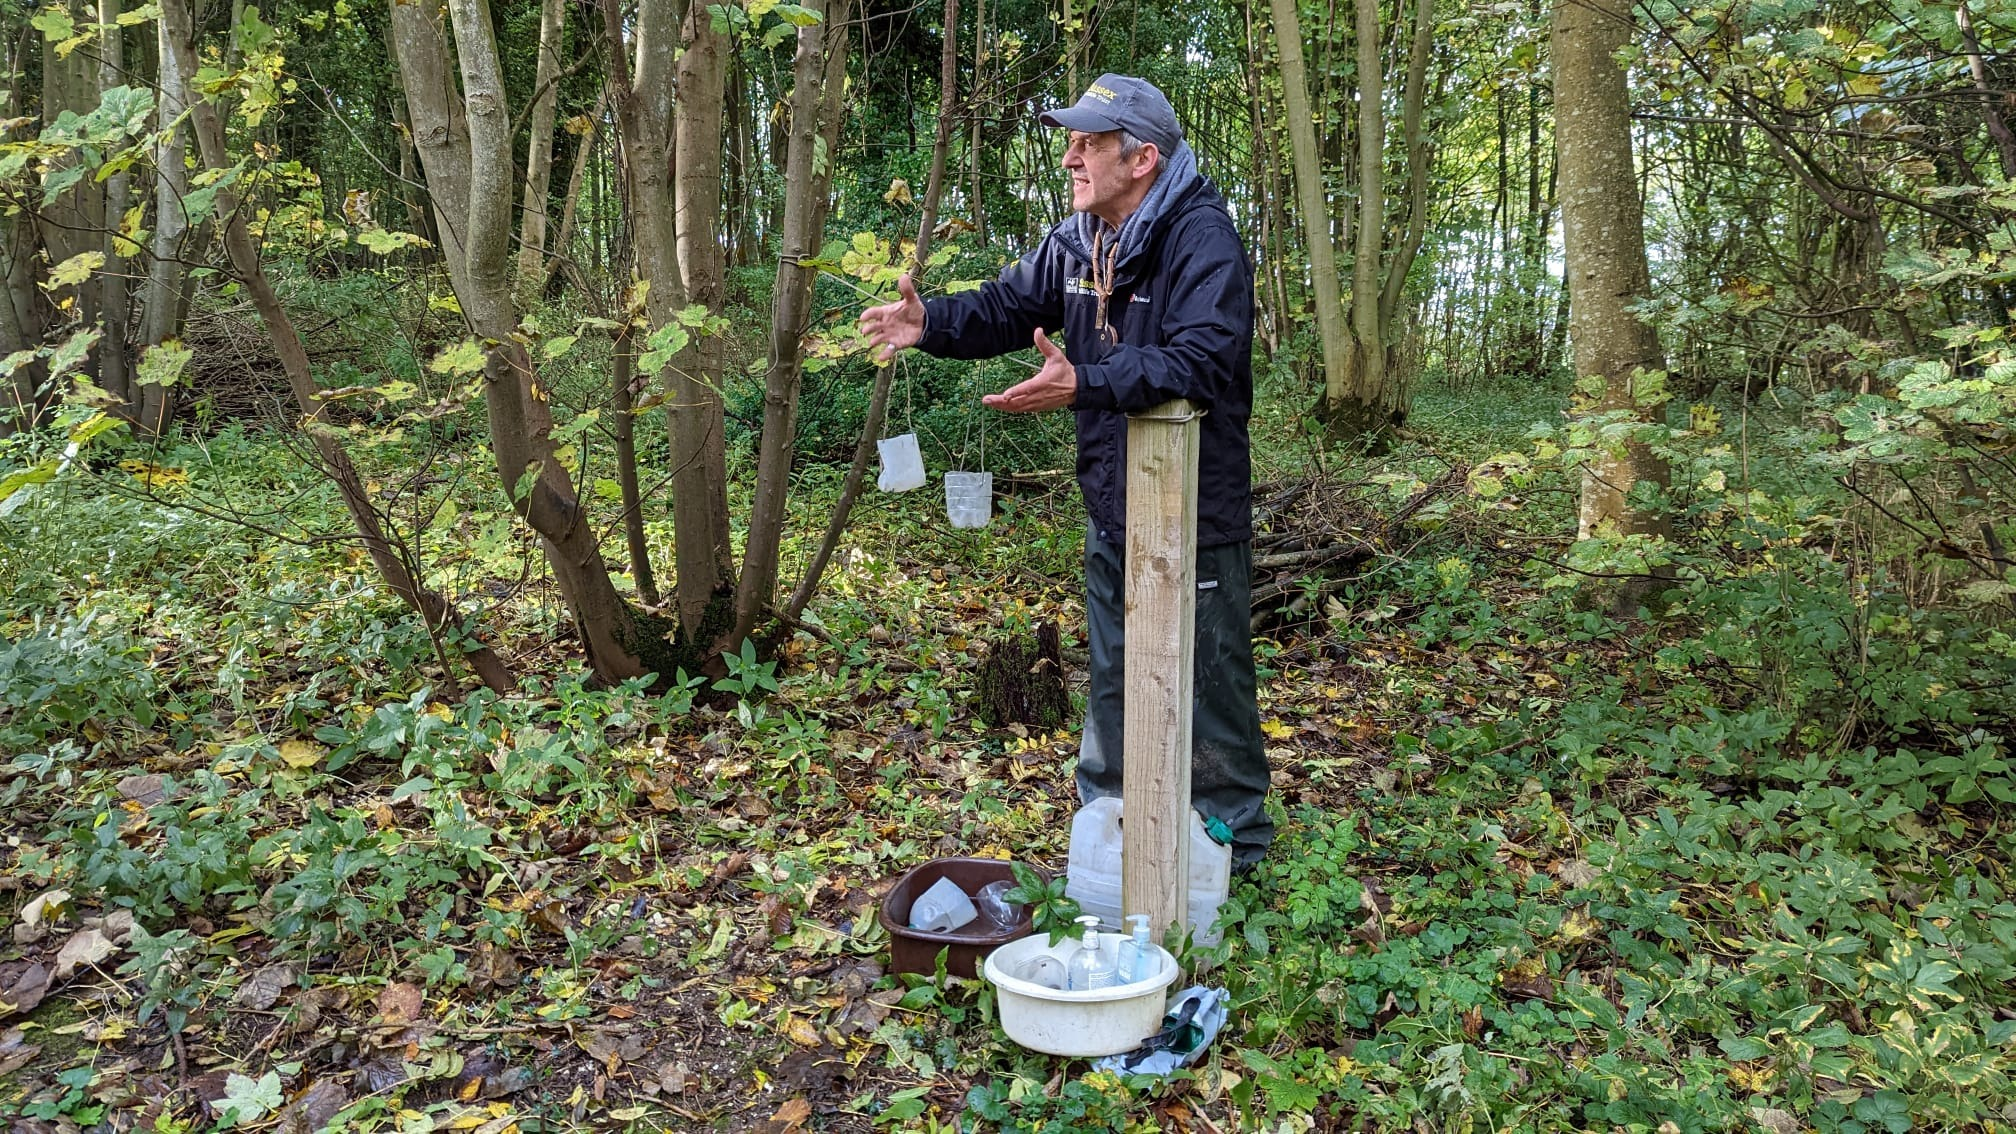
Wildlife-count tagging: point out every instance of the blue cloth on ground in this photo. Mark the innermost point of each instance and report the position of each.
(1192, 1023)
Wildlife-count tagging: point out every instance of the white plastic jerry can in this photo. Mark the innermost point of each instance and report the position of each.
(1098, 848)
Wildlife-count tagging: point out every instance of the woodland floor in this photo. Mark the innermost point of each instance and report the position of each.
(609, 910)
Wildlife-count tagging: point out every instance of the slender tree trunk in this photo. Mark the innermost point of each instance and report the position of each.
(539, 154)
(1363, 411)
(521, 420)
(440, 126)
(21, 302)
(1998, 127)
(1315, 207)
(702, 85)
(818, 82)
(1419, 160)
(644, 109)
(563, 240)
(622, 401)
(178, 54)
(878, 398)
(114, 368)
(1603, 230)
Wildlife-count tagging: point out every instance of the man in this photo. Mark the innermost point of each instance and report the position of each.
(1150, 284)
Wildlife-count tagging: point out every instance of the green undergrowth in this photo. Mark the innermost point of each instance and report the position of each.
(1742, 862)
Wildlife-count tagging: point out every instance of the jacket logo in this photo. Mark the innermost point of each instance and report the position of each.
(1084, 287)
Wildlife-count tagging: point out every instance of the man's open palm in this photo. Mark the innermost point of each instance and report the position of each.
(894, 326)
(1053, 387)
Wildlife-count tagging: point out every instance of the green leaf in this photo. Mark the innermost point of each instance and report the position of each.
(34, 474)
(1743, 1048)
(72, 353)
(670, 338)
(248, 1100)
(693, 315)
(162, 364)
(385, 242)
(797, 15)
(465, 357)
(557, 348)
(54, 24)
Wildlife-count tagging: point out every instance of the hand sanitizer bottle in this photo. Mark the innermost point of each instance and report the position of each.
(1088, 968)
(1137, 955)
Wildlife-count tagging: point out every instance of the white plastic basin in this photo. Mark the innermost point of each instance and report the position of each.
(1103, 1021)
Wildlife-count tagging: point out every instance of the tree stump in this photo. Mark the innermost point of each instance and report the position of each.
(1022, 682)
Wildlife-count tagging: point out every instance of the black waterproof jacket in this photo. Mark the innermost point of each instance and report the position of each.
(1183, 308)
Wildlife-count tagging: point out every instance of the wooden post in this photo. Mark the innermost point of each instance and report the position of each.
(1161, 639)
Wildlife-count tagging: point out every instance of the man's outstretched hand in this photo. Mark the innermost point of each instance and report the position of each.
(893, 327)
(1053, 387)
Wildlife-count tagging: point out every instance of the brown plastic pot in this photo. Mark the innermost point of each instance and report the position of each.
(916, 950)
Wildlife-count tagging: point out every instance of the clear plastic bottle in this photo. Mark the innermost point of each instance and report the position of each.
(1088, 968)
(1137, 954)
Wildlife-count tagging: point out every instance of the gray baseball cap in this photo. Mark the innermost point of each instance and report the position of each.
(1122, 102)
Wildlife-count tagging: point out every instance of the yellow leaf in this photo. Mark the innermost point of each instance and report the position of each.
(300, 753)
(1577, 926)
(1277, 730)
(800, 1031)
(75, 270)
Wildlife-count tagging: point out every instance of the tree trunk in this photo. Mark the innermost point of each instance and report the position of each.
(21, 302)
(1315, 207)
(1602, 223)
(178, 55)
(1362, 410)
(702, 86)
(114, 369)
(818, 83)
(539, 153)
(161, 307)
(440, 127)
(521, 420)
(584, 152)
(878, 398)
(644, 110)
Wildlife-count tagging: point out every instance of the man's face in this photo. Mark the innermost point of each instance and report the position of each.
(1100, 177)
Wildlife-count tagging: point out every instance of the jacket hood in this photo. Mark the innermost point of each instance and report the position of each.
(1178, 177)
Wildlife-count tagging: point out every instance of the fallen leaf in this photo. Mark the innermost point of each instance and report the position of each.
(38, 914)
(300, 753)
(800, 1031)
(1577, 926)
(145, 790)
(117, 925)
(611, 1047)
(1776, 1121)
(263, 988)
(399, 1004)
(313, 1108)
(792, 1115)
(675, 1078)
(85, 947)
(1574, 872)
(15, 1052)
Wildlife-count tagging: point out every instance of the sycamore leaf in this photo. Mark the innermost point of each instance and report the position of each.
(465, 357)
(75, 270)
(556, 348)
(670, 338)
(246, 1099)
(71, 354)
(300, 753)
(385, 242)
(162, 364)
(54, 24)
(899, 193)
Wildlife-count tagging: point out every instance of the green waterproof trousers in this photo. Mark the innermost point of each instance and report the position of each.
(1228, 760)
